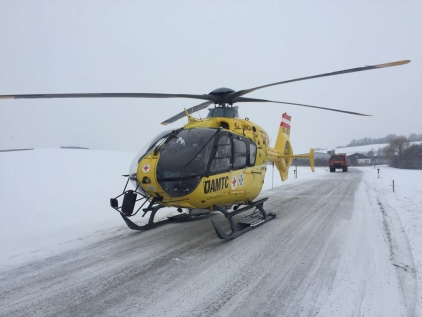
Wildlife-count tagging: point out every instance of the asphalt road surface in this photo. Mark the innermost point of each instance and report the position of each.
(285, 267)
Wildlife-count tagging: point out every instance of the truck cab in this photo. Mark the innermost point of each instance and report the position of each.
(338, 161)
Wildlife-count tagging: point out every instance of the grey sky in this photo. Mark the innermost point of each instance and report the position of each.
(197, 46)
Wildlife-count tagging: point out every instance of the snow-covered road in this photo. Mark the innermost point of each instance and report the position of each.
(342, 244)
(324, 254)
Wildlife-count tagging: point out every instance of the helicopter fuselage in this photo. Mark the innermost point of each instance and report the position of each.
(211, 162)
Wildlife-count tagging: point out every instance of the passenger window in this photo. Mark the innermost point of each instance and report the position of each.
(239, 154)
(252, 153)
(221, 161)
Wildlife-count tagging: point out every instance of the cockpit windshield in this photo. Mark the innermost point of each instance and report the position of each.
(184, 159)
(186, 154)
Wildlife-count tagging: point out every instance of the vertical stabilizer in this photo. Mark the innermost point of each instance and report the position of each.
(283, 145)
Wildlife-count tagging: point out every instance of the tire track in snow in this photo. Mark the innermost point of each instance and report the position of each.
(401, 256)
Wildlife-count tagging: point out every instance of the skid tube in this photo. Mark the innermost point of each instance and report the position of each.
(151, 224)
(253, 220)
(153, 208)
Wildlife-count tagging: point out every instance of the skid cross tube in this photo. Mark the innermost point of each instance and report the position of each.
(256, 217)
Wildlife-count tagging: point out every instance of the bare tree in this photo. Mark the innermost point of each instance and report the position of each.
(399, 144)
(371, 152)
(395, 148)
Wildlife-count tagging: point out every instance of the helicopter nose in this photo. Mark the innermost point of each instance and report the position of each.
(146, 175)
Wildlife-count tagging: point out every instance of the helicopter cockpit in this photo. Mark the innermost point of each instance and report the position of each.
(184, 159)
(187, 155)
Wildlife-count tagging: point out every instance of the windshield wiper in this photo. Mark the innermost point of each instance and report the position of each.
(164, 144)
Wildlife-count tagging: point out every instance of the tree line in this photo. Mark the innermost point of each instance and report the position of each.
(404, 155)
(400, 153)
(413, 137)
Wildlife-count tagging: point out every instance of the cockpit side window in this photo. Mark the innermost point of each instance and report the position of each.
(221, 161)
(252, 153)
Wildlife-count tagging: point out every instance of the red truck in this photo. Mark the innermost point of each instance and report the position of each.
(338, 161)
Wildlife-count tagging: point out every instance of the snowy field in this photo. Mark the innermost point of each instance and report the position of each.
(58, 200)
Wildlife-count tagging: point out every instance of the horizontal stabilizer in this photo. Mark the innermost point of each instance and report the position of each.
(309, 156)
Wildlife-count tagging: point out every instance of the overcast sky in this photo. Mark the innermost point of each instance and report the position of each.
(195, 47)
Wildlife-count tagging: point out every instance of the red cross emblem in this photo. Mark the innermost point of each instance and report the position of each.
(145, 168)
(234, 182)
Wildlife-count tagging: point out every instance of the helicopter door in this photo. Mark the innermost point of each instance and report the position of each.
(239, 153)
(222, 159)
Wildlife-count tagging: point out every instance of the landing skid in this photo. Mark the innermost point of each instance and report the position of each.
(258, 217)
(126, 210)
(151, 224)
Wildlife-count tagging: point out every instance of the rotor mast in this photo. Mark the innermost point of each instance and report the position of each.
(223, 107)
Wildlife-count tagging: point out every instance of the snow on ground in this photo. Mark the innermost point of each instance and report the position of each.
(56, 200)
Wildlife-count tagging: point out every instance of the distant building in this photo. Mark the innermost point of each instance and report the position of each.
(359, 159)
(321, 155)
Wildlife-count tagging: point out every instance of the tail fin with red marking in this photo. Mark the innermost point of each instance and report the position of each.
(282, 153)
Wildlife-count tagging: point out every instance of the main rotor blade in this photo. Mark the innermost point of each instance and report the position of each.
(110, 95)
(239, 93)
(241, 99)
(190, 111)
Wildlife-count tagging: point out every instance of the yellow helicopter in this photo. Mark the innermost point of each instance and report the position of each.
(213, 164)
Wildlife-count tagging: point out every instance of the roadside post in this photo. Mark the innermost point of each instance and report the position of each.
(272, 178)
